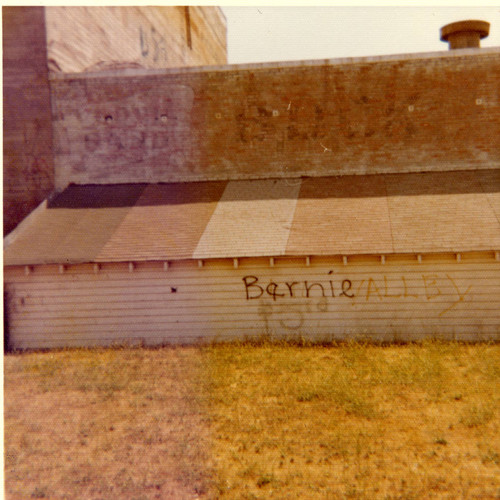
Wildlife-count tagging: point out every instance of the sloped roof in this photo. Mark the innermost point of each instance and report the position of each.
(371, 214)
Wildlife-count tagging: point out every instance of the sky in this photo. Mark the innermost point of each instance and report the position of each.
(288, 33)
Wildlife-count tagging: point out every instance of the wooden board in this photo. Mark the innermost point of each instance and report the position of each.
(400, 300)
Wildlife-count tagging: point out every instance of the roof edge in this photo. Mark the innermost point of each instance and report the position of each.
(494, 255)
(135, 72)
(24, 224)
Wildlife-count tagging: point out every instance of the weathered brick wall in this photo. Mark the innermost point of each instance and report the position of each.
(394, 114)
(90, 38)
(37, 40)
(28, 166)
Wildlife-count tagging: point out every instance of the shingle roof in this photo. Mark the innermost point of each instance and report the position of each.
(167, 221)
(349, 214)
(371, 214)
(253, 218)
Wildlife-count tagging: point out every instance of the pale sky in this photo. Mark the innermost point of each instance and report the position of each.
(285, 33)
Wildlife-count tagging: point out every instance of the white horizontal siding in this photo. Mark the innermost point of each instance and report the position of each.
(185, 303)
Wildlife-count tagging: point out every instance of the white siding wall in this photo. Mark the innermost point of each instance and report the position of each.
(399, 300)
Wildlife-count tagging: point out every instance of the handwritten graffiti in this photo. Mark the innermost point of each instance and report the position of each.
(255, 291)
(125, 130)
(290, 123)
(153, 45)
(370, 289)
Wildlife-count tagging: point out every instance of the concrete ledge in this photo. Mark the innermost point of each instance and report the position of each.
(134, 72)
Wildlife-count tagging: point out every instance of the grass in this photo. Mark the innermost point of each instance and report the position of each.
(255, 420)
(121, 423)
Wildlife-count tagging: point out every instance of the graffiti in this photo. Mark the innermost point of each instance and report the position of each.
(266, 311)
(152, 45)
(122, 129)
(255, 291)
(294, 320)
(371, 289)
(346, 287)
(309, 124)
(461, 295)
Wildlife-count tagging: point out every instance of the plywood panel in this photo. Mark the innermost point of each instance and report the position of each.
(450, 299)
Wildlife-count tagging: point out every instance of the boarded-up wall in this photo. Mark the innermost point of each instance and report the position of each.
(399, 300)
(429, 112)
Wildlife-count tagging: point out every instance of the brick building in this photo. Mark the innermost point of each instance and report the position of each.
(42, 42)
(332, 199)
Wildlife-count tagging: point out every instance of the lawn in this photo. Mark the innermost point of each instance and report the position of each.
(254, 421)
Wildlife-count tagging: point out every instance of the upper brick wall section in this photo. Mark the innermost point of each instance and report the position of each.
(422, 112)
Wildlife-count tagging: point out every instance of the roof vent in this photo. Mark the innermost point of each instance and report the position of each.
(465, 34)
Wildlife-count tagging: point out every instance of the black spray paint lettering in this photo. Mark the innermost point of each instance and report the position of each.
(309, 287)
(271, 290)
(290, 287)
(278, 290)
(346, 287)
(425, 286)
(156, 41)
(250, 282)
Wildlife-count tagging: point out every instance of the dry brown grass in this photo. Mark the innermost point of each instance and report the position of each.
(255, 421)
(105, 424)
(357, 421)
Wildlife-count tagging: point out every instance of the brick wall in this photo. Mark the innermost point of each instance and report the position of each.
(427, 112)
(39, 40)
(28, 166)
